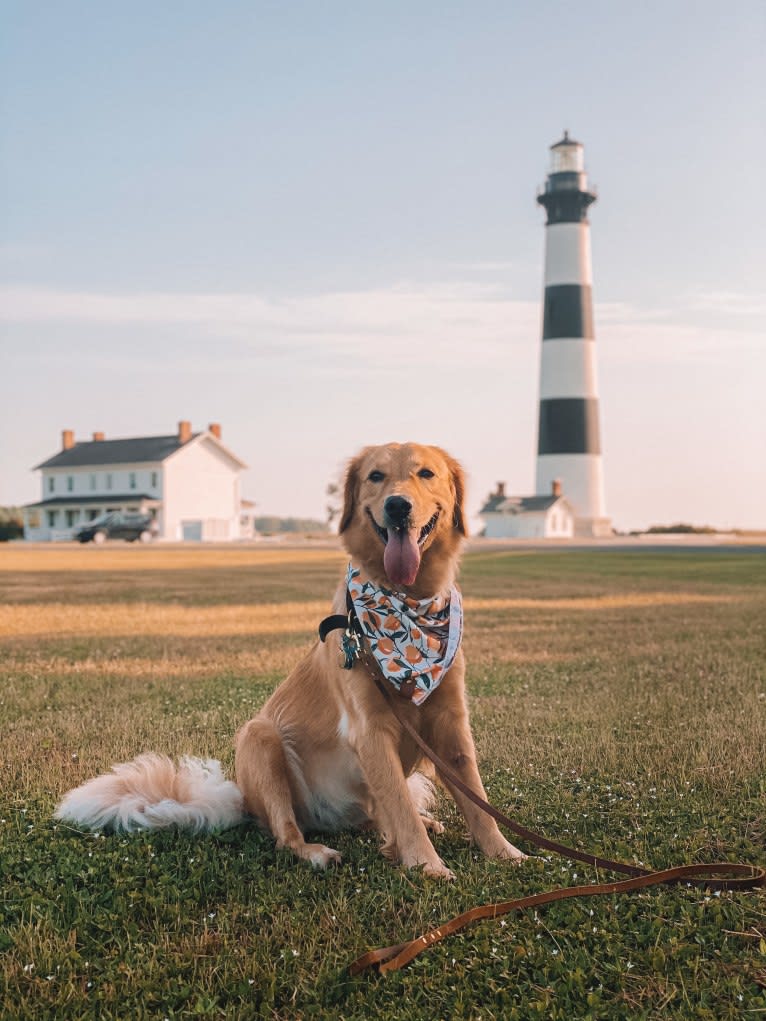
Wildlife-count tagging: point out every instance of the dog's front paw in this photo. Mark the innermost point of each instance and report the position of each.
(433, 866)
(439, 871)
(320, 856)
(432, 825)
(509, 853)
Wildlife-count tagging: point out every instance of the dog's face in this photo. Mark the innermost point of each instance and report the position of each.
(403, 515)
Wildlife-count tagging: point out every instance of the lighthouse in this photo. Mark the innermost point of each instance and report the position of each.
(568, 438)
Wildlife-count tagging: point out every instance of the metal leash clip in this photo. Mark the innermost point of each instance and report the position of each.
(351, 645)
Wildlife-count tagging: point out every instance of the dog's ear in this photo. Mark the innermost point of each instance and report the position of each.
(350, 490)
(458, 480)
(458, 484)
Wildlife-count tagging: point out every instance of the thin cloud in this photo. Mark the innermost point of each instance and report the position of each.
(437, 323)
(732, 303)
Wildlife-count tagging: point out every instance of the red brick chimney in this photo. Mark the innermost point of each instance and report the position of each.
(98, 437)
(67, 439)
(556, 487)
(215, 429)
(184, 432)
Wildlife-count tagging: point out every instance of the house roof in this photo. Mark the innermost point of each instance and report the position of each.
(129, 451)
(519, 504)
(78, 501)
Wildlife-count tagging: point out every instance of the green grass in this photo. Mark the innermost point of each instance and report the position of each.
(618, 702)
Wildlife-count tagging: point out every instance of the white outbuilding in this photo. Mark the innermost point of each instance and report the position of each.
(188, 482)
(528, 517)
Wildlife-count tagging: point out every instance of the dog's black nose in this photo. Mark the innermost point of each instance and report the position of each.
(397, 510)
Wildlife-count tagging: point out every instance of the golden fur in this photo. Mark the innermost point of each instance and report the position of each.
(325, 751)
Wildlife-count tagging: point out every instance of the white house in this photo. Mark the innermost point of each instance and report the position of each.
(189, 483)
(527, 517)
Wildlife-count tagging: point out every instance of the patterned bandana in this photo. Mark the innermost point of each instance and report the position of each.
(414, 641)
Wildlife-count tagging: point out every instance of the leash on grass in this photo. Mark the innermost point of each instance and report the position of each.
(714, 876)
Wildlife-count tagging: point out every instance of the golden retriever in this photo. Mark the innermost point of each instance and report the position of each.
(325, 752)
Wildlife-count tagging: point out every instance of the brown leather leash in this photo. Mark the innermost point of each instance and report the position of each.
(714, 876)
(394, 957)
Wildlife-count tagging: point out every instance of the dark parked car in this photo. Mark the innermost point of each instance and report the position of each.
(118, 526)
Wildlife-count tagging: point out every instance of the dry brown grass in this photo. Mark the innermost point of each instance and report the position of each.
(120, 619)
(119, 557)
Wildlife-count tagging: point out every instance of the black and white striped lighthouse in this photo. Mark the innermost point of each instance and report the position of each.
(568, 441)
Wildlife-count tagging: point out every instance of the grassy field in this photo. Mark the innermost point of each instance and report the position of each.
(618, 702)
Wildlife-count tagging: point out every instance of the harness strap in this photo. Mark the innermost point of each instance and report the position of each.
(341, 621)
(332, 623)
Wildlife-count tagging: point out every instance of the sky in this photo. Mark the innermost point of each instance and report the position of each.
(315, 223)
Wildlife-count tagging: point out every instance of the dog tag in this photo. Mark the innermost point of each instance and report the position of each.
(351, 647)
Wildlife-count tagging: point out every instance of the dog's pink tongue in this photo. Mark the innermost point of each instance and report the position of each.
(401, 558)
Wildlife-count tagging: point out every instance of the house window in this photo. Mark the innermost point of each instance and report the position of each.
(109, 480)
(52, 515)
(154, 480)
(93, 483)
(93, 513)
(132, 480)
(71, 517)
(51, 484)
(70, 483)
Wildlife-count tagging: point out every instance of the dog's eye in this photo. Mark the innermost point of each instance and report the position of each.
(375, 476)
(426, 473)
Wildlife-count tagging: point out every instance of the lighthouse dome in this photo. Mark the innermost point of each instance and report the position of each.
(567, 156)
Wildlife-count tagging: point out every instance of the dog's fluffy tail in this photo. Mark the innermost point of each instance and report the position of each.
(152, 793)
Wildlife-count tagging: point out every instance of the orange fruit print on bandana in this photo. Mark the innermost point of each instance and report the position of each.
(414, 641)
